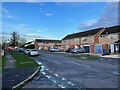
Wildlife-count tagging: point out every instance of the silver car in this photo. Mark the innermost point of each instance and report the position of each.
(33, 52)
(27, 51)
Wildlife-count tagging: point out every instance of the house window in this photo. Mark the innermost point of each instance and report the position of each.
(102, 36)
(84, 38)
(76, 39)
(91, 37)
(113, 36)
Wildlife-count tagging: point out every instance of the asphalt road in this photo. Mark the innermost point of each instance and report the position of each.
(69, 72)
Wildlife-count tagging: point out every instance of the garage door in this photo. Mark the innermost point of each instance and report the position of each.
(87, 49)
(98, 48)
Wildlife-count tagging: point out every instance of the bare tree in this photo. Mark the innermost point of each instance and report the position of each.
(4, 42)
(22, 42)
(14, 40)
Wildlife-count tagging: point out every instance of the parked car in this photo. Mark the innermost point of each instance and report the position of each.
(21, 49)
(27, 51)
(78, 50)
(9, 48)
(33, 52)
(68, 50)
(54, 50)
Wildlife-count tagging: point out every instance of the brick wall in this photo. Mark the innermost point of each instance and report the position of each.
(36, 44)
(104, 46)
(97, 35)
(107, 39)
(88, 41)
(92, 48)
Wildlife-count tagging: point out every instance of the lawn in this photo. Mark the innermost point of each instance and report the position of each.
(84, 57)
(22, 60)
(2, 62)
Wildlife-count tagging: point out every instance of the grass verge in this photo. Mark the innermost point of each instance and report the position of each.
(2, 62)
(84, 57)
(23, 60)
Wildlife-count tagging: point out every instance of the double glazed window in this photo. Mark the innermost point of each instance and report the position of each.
(113, 36)
(103, 36)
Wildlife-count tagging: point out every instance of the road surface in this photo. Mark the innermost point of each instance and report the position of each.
(68, 72)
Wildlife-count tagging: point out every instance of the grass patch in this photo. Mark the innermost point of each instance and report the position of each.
(2, 62)
(23, 60)
(84, 57)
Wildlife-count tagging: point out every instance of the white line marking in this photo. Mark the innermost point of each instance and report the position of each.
(43, 73)
(56, 75)
(61, 86)
(69, 82)
(116, 73)
(49, 77)
(54, 81)
(72, 84)
(86, 65)
(63, 78)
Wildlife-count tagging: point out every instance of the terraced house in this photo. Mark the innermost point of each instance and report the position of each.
(94, 41)
(46, 43)
(110, 39)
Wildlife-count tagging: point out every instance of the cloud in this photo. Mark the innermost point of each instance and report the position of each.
(35, 35)
(48, 14)
(108, 18)
(25, 31)
(72, 4)
(6, 14)
(9, 16)
(4, 10)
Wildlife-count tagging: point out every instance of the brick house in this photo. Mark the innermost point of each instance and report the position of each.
(86, 39)
(93, 41)
(109, 39)
(45, 43)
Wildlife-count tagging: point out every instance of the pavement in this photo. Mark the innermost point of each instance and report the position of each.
(67, 72)
(11, 75)
(111, 56)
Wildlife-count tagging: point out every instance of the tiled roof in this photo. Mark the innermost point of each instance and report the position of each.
(82, 34)
(48, 40)
(111, 30)
(28, 43)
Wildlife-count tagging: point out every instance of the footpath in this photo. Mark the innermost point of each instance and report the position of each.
(12, 76)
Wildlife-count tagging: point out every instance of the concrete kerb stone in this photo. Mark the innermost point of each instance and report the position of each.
(26, 80)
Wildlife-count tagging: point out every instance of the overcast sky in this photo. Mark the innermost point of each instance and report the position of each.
(56, 20)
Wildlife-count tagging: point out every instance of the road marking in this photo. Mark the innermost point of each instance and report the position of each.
(49, 77)
(61, 86)
(116, 73)
(42, 68)
(43, 73)
(63, 78)
(54, 81)
(69, 82)
(56, 75)
(72, 84)
(47, 69)
(86, 65)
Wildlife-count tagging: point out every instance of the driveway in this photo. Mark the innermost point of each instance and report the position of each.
(81, 73)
